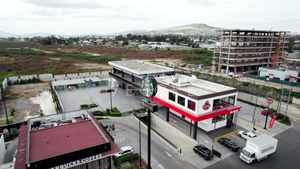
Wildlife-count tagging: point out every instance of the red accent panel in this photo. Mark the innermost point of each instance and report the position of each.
(208, 115)
(270, 74)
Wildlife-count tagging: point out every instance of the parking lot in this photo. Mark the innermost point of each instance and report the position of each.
(71, 100)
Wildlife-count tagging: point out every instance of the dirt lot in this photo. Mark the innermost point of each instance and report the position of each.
(16, 44)
(26, 102)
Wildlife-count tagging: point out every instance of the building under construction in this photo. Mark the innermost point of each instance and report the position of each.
(247, 50)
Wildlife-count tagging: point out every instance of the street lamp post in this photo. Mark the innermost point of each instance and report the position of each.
(140, 141)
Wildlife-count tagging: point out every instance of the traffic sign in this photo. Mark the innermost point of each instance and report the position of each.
(269, 100)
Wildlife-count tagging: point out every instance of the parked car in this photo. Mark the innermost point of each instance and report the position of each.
(124, 151)
(229, 143)
(232, 74)
(204, 152)
(266, 111)
(246, 135)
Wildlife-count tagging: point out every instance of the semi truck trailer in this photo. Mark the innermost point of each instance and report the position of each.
(258, 148)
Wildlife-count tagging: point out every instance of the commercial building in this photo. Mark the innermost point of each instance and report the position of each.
(198, 100)
(247, 50)
(128, 74)
(203, 102)
(70, 140)
(290, 75)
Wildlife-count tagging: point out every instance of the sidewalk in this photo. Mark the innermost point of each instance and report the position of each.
(293, 111)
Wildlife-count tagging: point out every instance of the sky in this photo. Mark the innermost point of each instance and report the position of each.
(72, 17)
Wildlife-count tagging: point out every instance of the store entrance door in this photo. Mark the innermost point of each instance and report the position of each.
(229, 120)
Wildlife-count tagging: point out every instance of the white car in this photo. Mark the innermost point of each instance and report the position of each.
(124, 151)
(246, 135)
(232, 74)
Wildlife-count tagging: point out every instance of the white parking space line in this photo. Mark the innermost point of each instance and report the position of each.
(118, 140)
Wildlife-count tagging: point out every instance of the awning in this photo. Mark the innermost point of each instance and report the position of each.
(208, 115)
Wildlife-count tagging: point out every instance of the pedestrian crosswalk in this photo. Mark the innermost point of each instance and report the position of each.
(118, 140)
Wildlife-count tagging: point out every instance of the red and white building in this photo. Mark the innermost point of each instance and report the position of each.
(70, 140)
(198, 100)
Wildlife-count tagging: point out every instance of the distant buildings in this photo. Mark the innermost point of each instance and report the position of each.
(246, 50)
(163, 47)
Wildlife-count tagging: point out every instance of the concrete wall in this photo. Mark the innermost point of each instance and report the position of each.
(84, 75)
(60, 77)
(4, 83)
(72, 76)
(2, 149)
(27, 77)
(95, 74)
(163, 125)
(46, 77)
(13, 79)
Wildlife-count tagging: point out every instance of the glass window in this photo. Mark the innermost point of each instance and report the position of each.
(219, 118)
(191, 105)
(172, 96)
(223, 102)
(181, 100)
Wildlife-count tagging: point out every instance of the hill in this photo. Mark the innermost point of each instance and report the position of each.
(192, 29)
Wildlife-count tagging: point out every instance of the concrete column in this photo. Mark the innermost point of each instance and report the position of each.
(249, 68)
(168, 113)
(234, 69)
(195, 130)
(122, 73)
(242, 68)
(183, 116)
(132, 78)
(114, 70)
(111, 162)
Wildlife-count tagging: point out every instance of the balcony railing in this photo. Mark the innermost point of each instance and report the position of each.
(249, 63)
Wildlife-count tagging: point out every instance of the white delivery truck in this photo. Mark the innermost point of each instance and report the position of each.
(258, 148)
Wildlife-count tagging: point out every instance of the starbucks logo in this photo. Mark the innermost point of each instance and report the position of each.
(148, 86)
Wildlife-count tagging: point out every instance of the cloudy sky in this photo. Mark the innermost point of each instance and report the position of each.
(111, 16)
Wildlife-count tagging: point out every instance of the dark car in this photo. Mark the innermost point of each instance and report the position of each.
(229, 144)
(203, 152)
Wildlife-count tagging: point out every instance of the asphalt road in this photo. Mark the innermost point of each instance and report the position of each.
(287, 155)
(126, 134)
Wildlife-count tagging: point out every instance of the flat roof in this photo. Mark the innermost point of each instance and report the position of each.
(76, 81)
(53, 141)
(140, 67)
(192, 86)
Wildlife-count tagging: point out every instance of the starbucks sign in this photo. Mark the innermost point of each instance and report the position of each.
(149, 86)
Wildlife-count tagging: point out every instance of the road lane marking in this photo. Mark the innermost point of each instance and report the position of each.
(257, 127)
(227, 134)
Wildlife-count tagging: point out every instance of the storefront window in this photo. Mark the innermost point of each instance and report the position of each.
(223, 102)
(172, 96)
(191, 105)
(219, 118)
(181, 101)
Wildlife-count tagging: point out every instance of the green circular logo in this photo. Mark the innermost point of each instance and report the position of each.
(148, 86)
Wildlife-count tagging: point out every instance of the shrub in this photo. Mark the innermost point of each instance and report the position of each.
(109, 90)
(12, 111)
(98, 113)
(41, 114)
(84, 105)
(107, 110)
(114, 109)
(216, 153)
(115, 113)
(10, 121)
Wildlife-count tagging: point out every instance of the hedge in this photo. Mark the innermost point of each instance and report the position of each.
(216, 153)
(98, 113)
(131, 156)
(115, 113)
(84, 105)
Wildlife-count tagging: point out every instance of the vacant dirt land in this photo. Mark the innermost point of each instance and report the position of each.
(27, 102)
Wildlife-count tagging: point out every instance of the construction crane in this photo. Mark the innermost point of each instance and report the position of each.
(274, 57)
